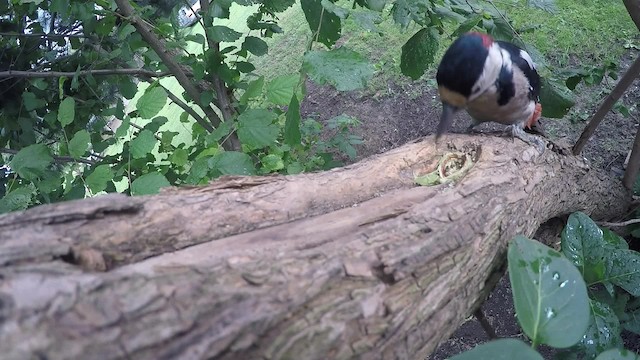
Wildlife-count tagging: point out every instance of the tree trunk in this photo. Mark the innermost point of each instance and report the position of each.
(356, 262)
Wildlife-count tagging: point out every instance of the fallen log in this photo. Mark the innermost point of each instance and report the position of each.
(356, 262)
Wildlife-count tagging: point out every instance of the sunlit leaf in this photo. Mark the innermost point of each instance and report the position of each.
(150, 104)
(66, 111)
(99, 177)
(79, 144)
(149, 184)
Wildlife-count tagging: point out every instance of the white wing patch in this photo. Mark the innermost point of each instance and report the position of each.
(525, 55)
(492, 65)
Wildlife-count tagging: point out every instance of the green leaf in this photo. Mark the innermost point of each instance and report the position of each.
(614, 239)
(281, 89)
(328, 23)
(376, 5)
(128, 88)
(67, 111)
(179, 157)
(150, 104)
(18, 199)
(556, 99)
(142, 144)
(149, 184)
(220, 132)
(549, 293)
(255, 45)
(219, 33)
(367, 19)
(418, 53)
(99, 178)
(32, 102)
(603, 332)
(503, 349)
(256, 128)
(623, 269)
(122, 130)
(582, 242)
(198, 171)
(618, 354)
(253, 90)
(467, 25)
(79, 144)
(232, 163)
(292, 135)
(339, 11)
(31, 162)
(272, 163)
(343, 68)
(277, 6)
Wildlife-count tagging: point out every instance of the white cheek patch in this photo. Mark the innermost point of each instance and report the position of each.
(492, 65)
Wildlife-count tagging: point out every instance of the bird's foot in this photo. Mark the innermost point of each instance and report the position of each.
(536, 141)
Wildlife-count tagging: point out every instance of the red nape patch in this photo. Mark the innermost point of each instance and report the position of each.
(534, 118)
(487, 40)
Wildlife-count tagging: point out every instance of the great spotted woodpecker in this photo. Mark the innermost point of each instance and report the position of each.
(494, 81)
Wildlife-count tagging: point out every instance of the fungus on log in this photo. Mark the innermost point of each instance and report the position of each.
(357, 262)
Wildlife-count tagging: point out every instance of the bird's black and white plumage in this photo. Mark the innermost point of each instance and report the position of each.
(494, 81)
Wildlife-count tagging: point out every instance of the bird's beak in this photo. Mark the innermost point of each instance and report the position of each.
(445, 120)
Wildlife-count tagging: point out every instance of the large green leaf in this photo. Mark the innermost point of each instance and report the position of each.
(150, 104)
(31, 162)
(256, 128)
(31, 101)
(343, 68)
(253, 90)
(503, 349)
(281, 89)
(18, 199)
(556, 99)
(325, 26)
(219, 33)
(623, 269)
(549, 293)
(583, 243)
(292, 135)
(419, 52)
(79, 144)
(277, 6)
(149, 184)
(603, 332)
(232, 163)
(66, 111)
(255, 45)
(618, 354)
(99, 178)
(142, 144)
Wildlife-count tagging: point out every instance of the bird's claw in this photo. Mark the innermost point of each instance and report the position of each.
(536, 141)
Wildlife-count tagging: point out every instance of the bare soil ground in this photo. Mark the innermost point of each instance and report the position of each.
(406, 113)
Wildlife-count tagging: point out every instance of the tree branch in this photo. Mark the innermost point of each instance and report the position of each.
(157, 45)
(223, 101)
(54, 74)
(58, 159)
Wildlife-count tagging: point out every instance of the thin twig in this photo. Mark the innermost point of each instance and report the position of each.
(619, 224)
(53, 74)
(59, 159)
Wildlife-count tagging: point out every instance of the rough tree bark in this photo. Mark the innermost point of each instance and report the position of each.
(356, 262)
